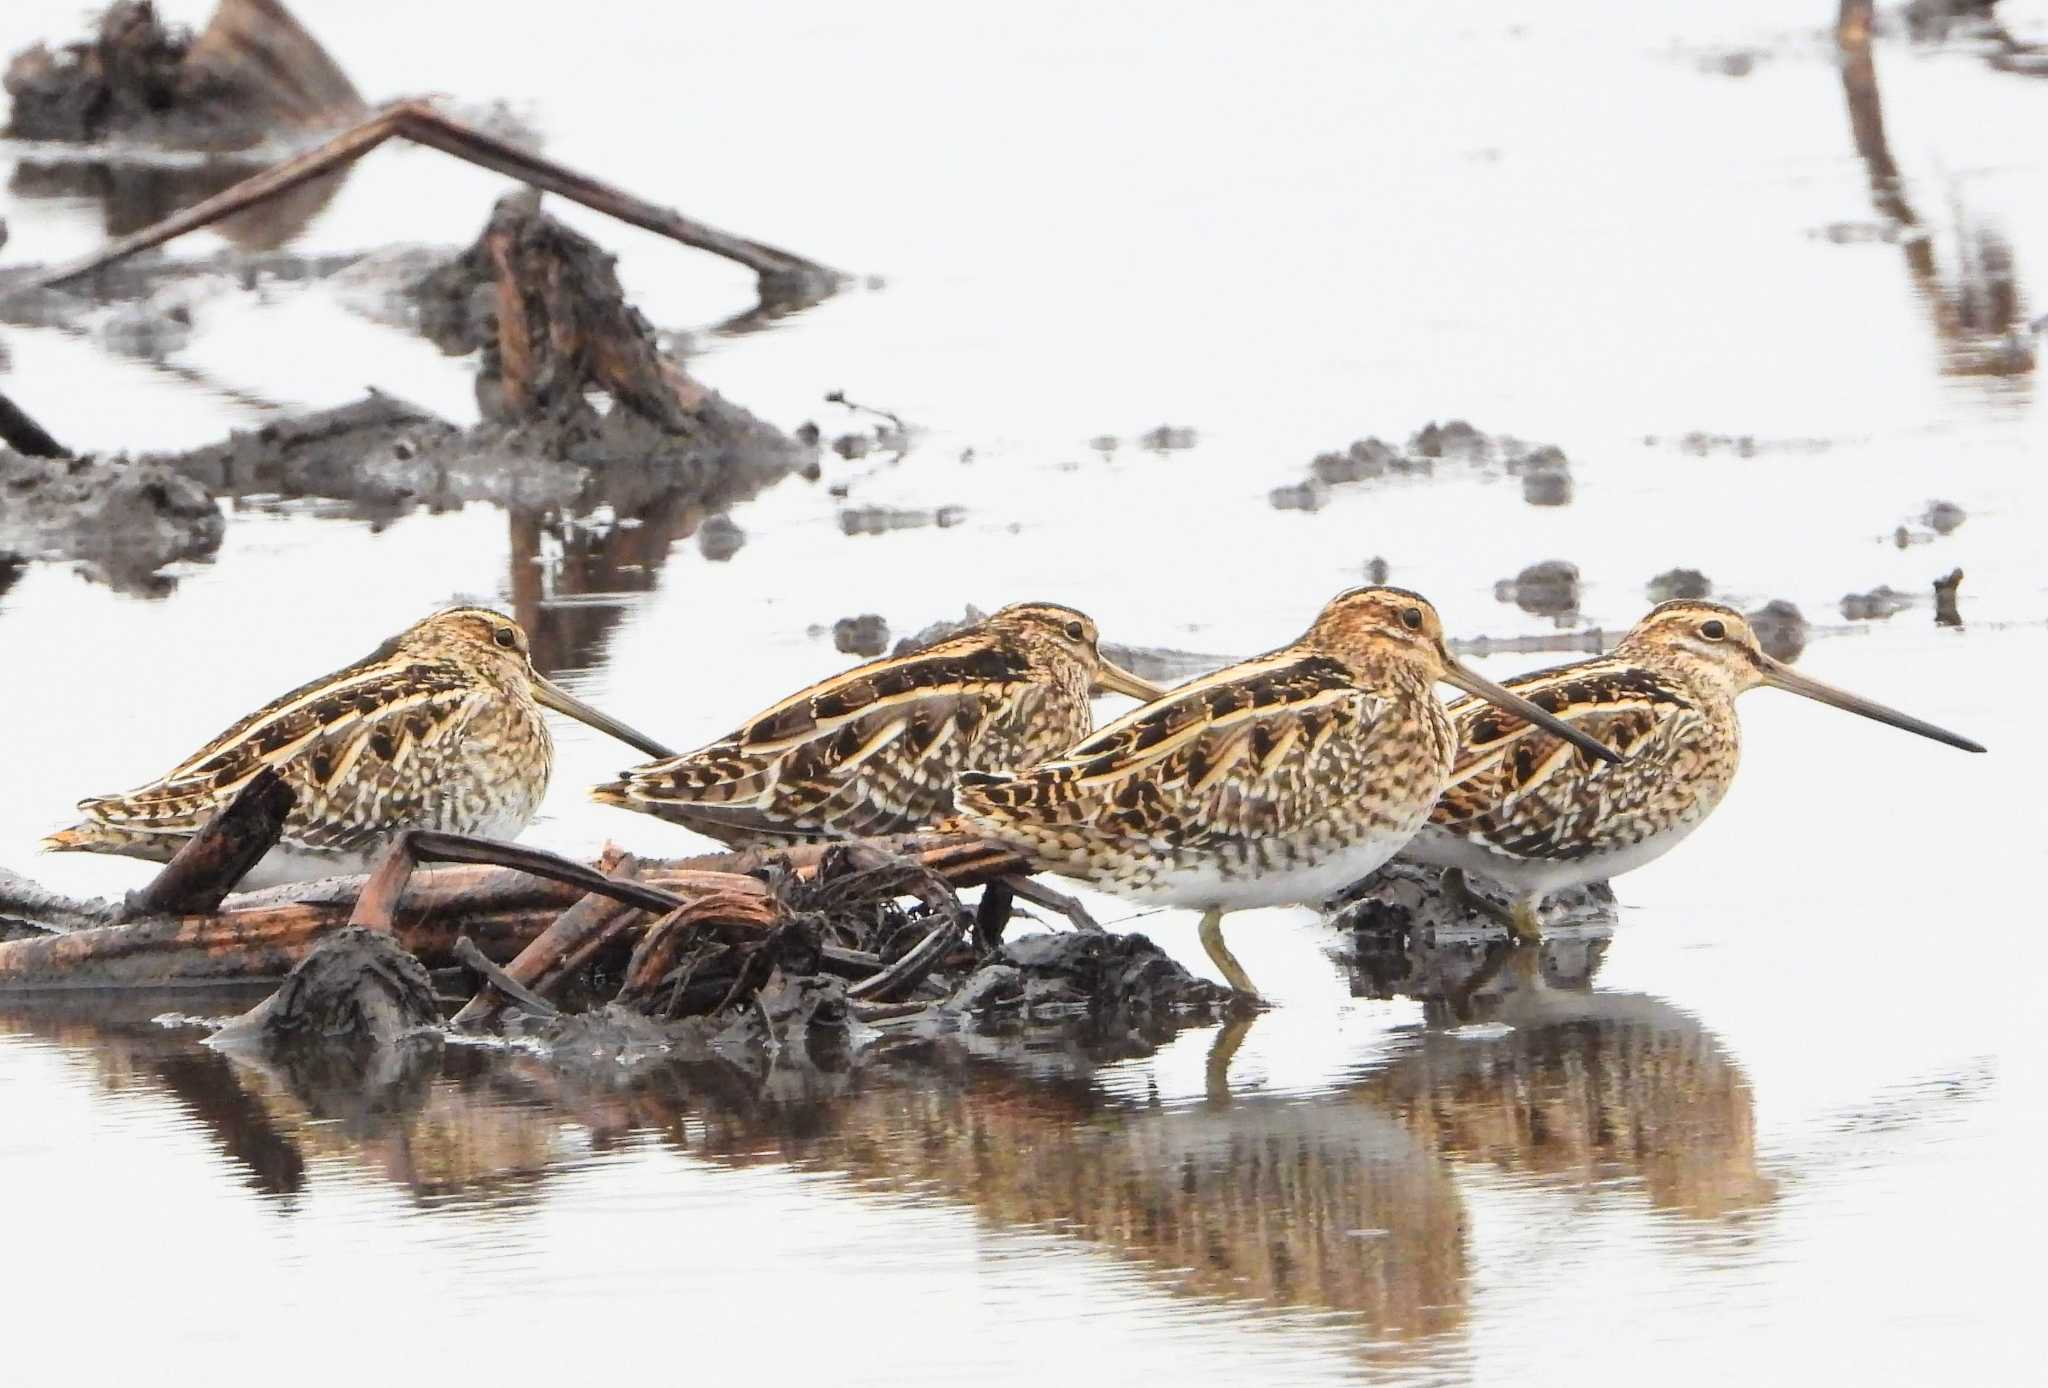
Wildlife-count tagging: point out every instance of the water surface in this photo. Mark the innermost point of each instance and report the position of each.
(1789, 1120)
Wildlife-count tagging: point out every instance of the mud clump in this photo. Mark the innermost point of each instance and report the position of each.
(1085, 971)
(1168, 438)
(1946, 613)
(252, 72)
(1548, 589)
(357, 991)
(1780, 629)
(377, 449)
(1546, 476)
(1311, 495)
(1880, 602)
(1406, 899)
(127, 518)
(1672, 584)
(720, 538)
(1943, 517)
(866, 635)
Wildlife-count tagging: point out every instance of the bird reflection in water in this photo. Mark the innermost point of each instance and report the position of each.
(1346, 1201)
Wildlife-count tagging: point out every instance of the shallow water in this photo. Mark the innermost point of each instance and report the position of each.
(1791, 1121)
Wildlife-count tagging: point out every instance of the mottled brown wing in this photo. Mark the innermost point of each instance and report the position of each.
(347, 748)
(874, 750)
(1255, 749)
(1519, 789)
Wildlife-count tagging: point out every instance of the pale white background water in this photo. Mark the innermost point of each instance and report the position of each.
(1286, 227)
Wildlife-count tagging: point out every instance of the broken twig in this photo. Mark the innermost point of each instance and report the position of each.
(781, 274)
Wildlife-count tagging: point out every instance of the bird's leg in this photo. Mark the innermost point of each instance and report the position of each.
(1458, 891)
(1220, 955)
(1526, 919)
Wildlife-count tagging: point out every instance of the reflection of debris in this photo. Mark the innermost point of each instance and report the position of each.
(719, 538)
(866, 634)
(134, 193)
(1701, 444)
(880, 520)
(1679, 583)
(1780, 629)
(1548, 589)
(1730, 62)
(1946, 613)
(1881, 601)
(1977, 314)
(253, 72)
(1862, 233)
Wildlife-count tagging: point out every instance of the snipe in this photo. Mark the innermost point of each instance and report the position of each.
(1538, 816)
(438, 728)
(1271, 782)
(878, 748)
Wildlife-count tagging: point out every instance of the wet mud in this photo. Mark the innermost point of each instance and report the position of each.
(123, 519)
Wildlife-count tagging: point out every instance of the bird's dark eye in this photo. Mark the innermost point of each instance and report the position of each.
(505, 637)
(1713, 629)
(1411, 618)
(1076, 632)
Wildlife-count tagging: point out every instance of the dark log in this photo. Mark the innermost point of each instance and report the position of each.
(215, 860)
(992, 914)
(261, 935)
(24, 435)
(495, 978)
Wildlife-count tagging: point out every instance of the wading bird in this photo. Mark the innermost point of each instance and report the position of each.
(438, 728)
(1270, 782)
(878, 749)
(1538, 816)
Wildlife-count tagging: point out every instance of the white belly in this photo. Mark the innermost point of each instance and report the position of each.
(288, 862)
(1206, 883)
(1540, 876)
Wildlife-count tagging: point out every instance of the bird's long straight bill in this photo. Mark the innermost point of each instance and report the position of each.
(1516, 704)
(552, 695)
(1784, 677)
(1118, 680)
